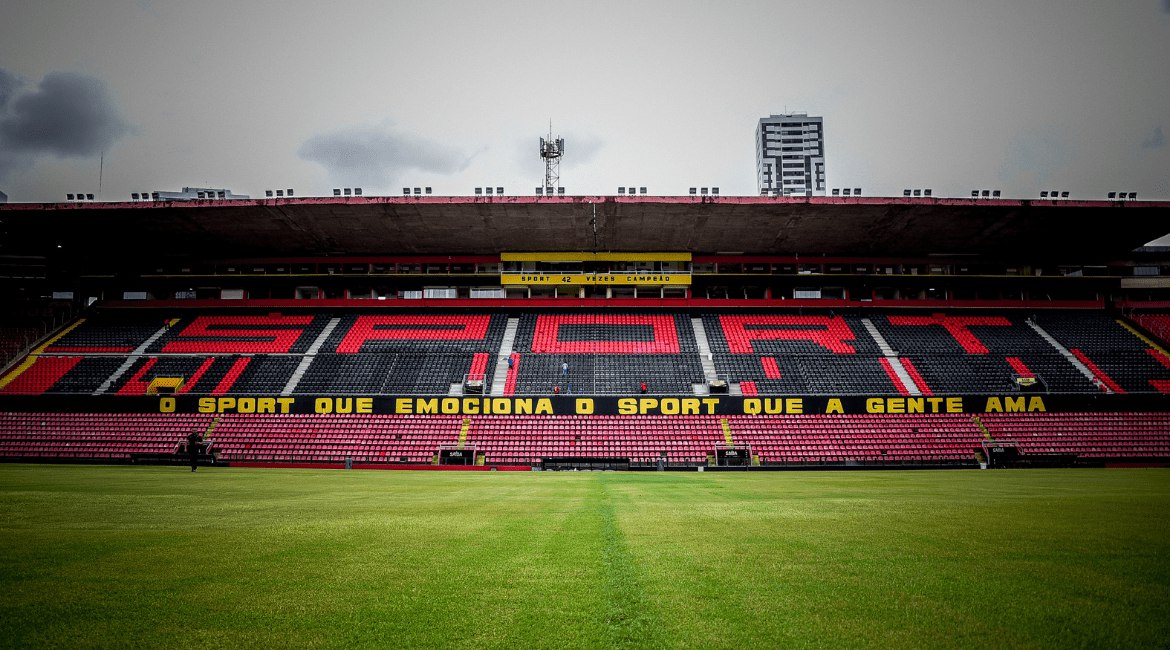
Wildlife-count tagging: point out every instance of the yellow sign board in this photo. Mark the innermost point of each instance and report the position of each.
(565, 279)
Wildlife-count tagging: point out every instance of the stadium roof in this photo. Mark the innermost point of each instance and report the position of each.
(1076, 231)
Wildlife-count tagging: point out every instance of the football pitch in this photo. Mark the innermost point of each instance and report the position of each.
(160, 557)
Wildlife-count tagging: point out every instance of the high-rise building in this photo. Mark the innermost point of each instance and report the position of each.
(790, 155)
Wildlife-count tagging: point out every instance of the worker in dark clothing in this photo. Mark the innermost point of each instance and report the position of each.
(194, 442)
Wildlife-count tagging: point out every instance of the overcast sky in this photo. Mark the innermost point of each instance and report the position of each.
(1020, 95)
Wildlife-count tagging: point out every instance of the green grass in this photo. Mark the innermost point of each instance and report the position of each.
(121, 556)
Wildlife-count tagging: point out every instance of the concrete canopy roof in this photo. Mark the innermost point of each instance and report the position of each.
(1073, 231)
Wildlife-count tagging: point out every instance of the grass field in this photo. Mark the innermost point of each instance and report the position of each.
(121, 556)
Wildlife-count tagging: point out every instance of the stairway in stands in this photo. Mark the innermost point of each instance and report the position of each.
(500, 376)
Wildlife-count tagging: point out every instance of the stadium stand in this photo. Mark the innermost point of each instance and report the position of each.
(1122, 359)
(605, 353)
(379, 337)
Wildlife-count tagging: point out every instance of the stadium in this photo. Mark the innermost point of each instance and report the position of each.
(723, 341)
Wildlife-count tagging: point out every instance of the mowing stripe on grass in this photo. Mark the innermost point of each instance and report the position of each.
(627, 617)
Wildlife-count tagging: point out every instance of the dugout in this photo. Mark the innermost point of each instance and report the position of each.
(585, 464)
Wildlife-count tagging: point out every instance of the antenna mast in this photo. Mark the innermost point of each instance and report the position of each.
(551, 151)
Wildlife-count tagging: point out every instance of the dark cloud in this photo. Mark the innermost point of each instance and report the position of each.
(379, 156)
(9, 83)
(1157, 139)
(65, 115)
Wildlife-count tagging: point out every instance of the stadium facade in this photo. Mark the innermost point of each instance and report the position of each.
(516, 332)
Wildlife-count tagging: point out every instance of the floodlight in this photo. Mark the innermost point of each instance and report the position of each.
(357, 191)
(695, 190)
(499, 190)
(266, 193)
(621, 189)
(641, 190)
(845, 192)
(68, 197)
(1043, 194)
(336, 192)
(488, 191)
(917, 192)
(221, 194)
(905, 192)
(714, 190)
(348, 191)
(561, 190)
(837, 191)
(428, 189)
(280, 193)
(288, 192)
(540, 191)
(702, 190)
(418, 191)
(927, 192)
(974, 194)
(995, 193)
(478, 191)
(1064, 195)
(1133, 195)
(857, 191)
(986, 193)
(88, 197)
(406, 191)
(134, 196)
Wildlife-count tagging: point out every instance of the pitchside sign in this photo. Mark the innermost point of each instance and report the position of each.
(588, 405)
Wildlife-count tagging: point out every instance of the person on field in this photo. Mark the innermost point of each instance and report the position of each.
(193, 444)
(643, 388)
(564, 368)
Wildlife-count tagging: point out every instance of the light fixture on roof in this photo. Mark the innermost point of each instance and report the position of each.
(641, 190)
(540, 191)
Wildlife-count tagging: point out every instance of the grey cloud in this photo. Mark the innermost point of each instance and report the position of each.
(68, 114)
(1157, 139)
(9, 83)
(379, 155)
(1036, 156)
